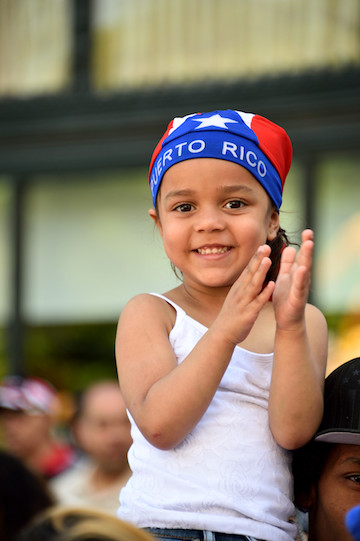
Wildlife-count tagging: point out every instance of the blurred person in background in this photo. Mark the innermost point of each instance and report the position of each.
(23, 495)
(327, 470)
(101, 429)
(28, 408)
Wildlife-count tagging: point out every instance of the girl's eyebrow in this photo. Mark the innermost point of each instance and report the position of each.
(227, 189)
(177, 193)
(236, 188)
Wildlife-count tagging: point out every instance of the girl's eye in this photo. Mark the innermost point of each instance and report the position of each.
(235, 204)
(184, 207)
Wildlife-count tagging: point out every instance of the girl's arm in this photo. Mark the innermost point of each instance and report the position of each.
(167, 400)
(300, 352)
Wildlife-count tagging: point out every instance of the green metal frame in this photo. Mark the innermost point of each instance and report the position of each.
(83, 130)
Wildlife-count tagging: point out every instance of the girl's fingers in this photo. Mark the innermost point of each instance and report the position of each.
(302, 281)
(256, 270)
(305, 254)
(250, 283)
(303, 257)
(287, 260)
(266, 293)
(262, 253)
(307, 234)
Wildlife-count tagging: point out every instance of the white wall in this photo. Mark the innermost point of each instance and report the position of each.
(90, 246)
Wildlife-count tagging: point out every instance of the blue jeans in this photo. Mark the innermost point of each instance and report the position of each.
(168, 534)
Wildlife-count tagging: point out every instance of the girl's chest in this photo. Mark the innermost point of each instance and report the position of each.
(260, 339)
(262, 336)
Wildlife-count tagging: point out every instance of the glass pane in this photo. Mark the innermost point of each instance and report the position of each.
(337, 261)
(292, 211)
(338, 232)
(154, 42)
(90, 247)
(35, 46)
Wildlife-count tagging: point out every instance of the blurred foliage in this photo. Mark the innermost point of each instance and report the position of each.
(344, 340)
(69, 356)
(334, 321)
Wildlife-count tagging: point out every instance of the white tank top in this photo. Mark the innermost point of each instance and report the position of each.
(228, 475)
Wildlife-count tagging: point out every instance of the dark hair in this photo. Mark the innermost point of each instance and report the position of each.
(277, 245)
(23, 494)
(308, 464)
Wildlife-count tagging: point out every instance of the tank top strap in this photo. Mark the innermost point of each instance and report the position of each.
(178, 309)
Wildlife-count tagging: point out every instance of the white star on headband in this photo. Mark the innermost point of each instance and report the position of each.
(215, 120)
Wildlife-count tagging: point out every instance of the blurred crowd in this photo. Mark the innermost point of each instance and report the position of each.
(63, 484)
(43, 463)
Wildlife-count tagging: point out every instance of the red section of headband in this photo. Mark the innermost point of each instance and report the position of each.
(159, 146)
(275, 144)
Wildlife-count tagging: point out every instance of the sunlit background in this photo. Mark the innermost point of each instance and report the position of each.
(87, 88)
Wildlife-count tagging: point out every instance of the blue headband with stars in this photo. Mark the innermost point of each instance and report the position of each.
(249, 140)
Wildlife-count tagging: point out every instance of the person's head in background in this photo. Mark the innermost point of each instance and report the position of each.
(101, 427)
(72, 524)
(23, 495)
(27, 410)
(327, 470)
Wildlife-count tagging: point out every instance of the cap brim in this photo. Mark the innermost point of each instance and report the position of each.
(333, 436)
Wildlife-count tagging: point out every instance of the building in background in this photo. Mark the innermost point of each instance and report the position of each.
(87, 88)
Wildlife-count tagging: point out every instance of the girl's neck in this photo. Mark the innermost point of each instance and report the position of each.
(202, 305)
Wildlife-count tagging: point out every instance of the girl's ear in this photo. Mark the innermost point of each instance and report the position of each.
(274, 224)
(154, 216)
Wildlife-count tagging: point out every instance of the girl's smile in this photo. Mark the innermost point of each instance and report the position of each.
(213, 250)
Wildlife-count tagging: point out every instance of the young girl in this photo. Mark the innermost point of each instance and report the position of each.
(222, 375)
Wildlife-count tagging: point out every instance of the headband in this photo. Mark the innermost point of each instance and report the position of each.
(250, 140)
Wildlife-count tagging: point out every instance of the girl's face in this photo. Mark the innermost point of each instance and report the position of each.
(212, 216)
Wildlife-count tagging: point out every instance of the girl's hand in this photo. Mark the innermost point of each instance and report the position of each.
(293, 283)
(246, 298)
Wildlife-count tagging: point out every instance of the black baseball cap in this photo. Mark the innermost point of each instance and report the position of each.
(341, 420)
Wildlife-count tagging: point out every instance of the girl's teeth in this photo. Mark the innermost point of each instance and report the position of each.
(210, 251)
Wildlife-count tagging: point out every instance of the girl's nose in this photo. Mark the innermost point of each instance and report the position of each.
(210, 219)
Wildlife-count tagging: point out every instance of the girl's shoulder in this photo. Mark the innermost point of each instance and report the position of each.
(316, 325)
(148, 309)
(149, 301)
(315, 315)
